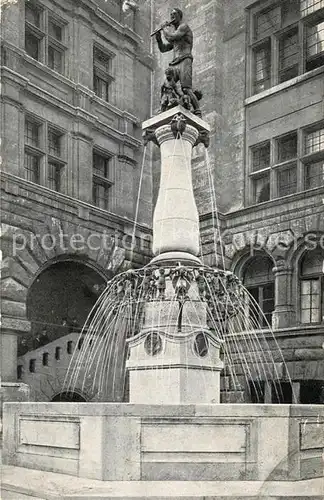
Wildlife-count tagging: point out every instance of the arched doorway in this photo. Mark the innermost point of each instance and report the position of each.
(59, 301)
(68, 397)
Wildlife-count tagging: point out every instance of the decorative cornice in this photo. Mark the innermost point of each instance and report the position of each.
(127, 159)
(119, 28)
(78, 112)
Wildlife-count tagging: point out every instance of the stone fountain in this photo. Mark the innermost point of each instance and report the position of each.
(174, 428)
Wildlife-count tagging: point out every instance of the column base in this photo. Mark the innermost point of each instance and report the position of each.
(173, 258)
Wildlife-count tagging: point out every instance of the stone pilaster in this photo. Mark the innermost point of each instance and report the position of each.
(282, 315)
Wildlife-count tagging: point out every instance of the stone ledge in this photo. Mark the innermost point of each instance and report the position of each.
(49, 485)
(132, 410)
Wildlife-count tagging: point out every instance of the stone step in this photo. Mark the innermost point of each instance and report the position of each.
(20, 483)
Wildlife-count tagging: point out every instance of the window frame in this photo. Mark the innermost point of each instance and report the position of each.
(300, 163)
(103, 74)
(299, 23)
(311, 277)
(259, 286)
(42, 33)
(100, 180)
(42, 152)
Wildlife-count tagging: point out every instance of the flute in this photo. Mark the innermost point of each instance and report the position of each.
(164, 25)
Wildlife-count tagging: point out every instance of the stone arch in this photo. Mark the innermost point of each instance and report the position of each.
(73, 396)
(307, 242)
(60, 298)
(28, 248)
(241, 258)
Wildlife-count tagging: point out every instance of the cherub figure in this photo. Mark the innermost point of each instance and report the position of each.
(200, 279)
(181, 283)
(160, 282)
(171, 91)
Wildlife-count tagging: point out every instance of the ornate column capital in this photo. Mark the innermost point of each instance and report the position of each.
(165, 133)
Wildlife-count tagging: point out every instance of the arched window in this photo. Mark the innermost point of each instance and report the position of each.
(258, 278)
(312, 287)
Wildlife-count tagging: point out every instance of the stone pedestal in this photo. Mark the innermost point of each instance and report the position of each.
(174, 368)
(175, 357)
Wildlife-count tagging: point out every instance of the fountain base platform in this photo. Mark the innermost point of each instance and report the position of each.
(19, 483)
(203, 443)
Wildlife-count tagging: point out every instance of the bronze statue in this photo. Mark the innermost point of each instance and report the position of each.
(171, 91)
(180, 40)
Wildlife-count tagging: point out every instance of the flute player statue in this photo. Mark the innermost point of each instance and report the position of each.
(180, 39)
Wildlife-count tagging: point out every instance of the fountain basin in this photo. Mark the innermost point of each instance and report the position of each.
(133, 442)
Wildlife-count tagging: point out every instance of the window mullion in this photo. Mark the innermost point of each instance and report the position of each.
(300, 165)
(301, 41)
(44, 169)
(274, 60)
(46, 37)
(273, 157)
(261, 313)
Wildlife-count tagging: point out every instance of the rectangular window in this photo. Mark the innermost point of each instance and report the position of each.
(19, 372)
(45, 359)
(32, 133)
(55, 59)
(314, 46)
(69, 347)
(100, 193)
(314, 175)
(32, 45)
(310, 301)
(288, 56)
(31, 165)
(261, 157)
(285, 41)
(101, 165)
(101, 87)
(54, 176)
(58, 353)
(101, 74)
(262, 68)
(54, 143)
(32, 365)
(287, 148)
(287, 181)
(261, 188)
(32, 14)
(55, 30)
(309, 6)
(264, 297)
(101, 180)
(314, 141)
(266, 22)
(44, 37)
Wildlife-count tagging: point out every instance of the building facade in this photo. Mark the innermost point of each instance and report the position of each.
(72, 161)
(260, 67)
